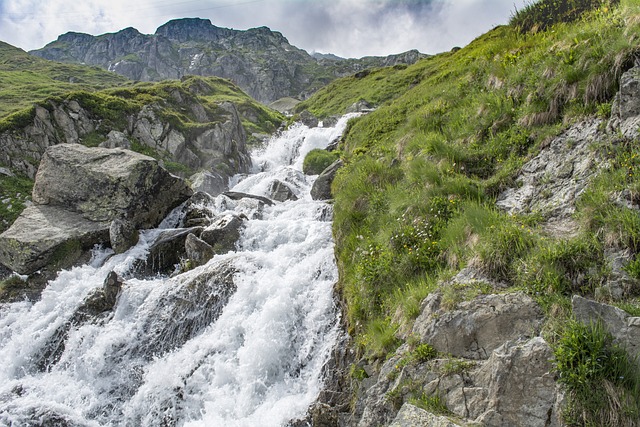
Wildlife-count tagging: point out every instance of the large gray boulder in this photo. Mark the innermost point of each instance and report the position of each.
(102, 184)
(49, 236)
(477, 327)
(78, 194)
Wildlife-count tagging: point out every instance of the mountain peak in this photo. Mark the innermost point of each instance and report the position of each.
(186, 29)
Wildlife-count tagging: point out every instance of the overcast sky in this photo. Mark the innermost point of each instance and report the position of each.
(348, 28)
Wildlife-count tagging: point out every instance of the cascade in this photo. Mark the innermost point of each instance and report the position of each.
(238, 341)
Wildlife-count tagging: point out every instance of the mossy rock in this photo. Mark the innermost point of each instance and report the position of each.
(318, 160)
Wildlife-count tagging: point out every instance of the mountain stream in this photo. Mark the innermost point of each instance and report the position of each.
(239, 341)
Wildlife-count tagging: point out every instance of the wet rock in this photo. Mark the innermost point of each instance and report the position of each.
(212, 183)
(412, 416)
(165, 253)
(101, 300)
(197, 250)
(235, 195)
(281, 192)
(477, 327)
(92, 309)
(321, 189)
(122, 235)
(308, 119)
(102, 184)
(223, 233)
(197, 210)
(49, 236)
(624, 327)
(196, 302)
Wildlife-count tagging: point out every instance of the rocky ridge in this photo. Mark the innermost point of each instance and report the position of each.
(260, 61)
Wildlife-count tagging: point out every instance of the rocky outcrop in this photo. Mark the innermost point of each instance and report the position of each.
(474, 329)
(412, 416)
(217, 144)
(491, 368)
(550, 183)
(78, 192)
(262, 62)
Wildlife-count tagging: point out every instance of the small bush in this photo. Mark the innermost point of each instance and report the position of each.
(317, 160)
(603, 384)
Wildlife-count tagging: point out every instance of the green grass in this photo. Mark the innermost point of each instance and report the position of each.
(318, 160)
(25, 79)
(603, 383)
(14, 193)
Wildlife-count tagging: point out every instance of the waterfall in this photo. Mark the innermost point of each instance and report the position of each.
(238, 341)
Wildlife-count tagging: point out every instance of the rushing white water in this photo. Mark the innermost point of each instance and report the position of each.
(197, 349)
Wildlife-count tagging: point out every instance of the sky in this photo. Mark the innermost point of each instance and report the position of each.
(347, 28)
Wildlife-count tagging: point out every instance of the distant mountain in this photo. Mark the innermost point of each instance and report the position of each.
(260, 61)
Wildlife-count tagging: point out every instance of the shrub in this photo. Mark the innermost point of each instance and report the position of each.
(603, 383)
(317, 160)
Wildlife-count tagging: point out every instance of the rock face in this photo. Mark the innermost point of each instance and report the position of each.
(551, 182)
(260, 61)
(412, 416)
(476, 328)
(217, 144)
(78, 192)
(491, 369)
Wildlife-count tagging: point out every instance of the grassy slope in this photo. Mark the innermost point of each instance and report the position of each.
(25, 79)
(416, 201)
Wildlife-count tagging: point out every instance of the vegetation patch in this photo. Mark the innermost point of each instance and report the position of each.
(15, 193)
(318, 160)
(603, 383)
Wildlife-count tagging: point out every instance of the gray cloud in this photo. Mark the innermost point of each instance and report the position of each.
(349, 28)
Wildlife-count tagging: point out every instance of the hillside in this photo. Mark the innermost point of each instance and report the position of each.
(25, 79)
(194, 125)
(260, 61)
(500, 170)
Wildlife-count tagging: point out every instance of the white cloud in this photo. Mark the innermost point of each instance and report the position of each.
(350, 28)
